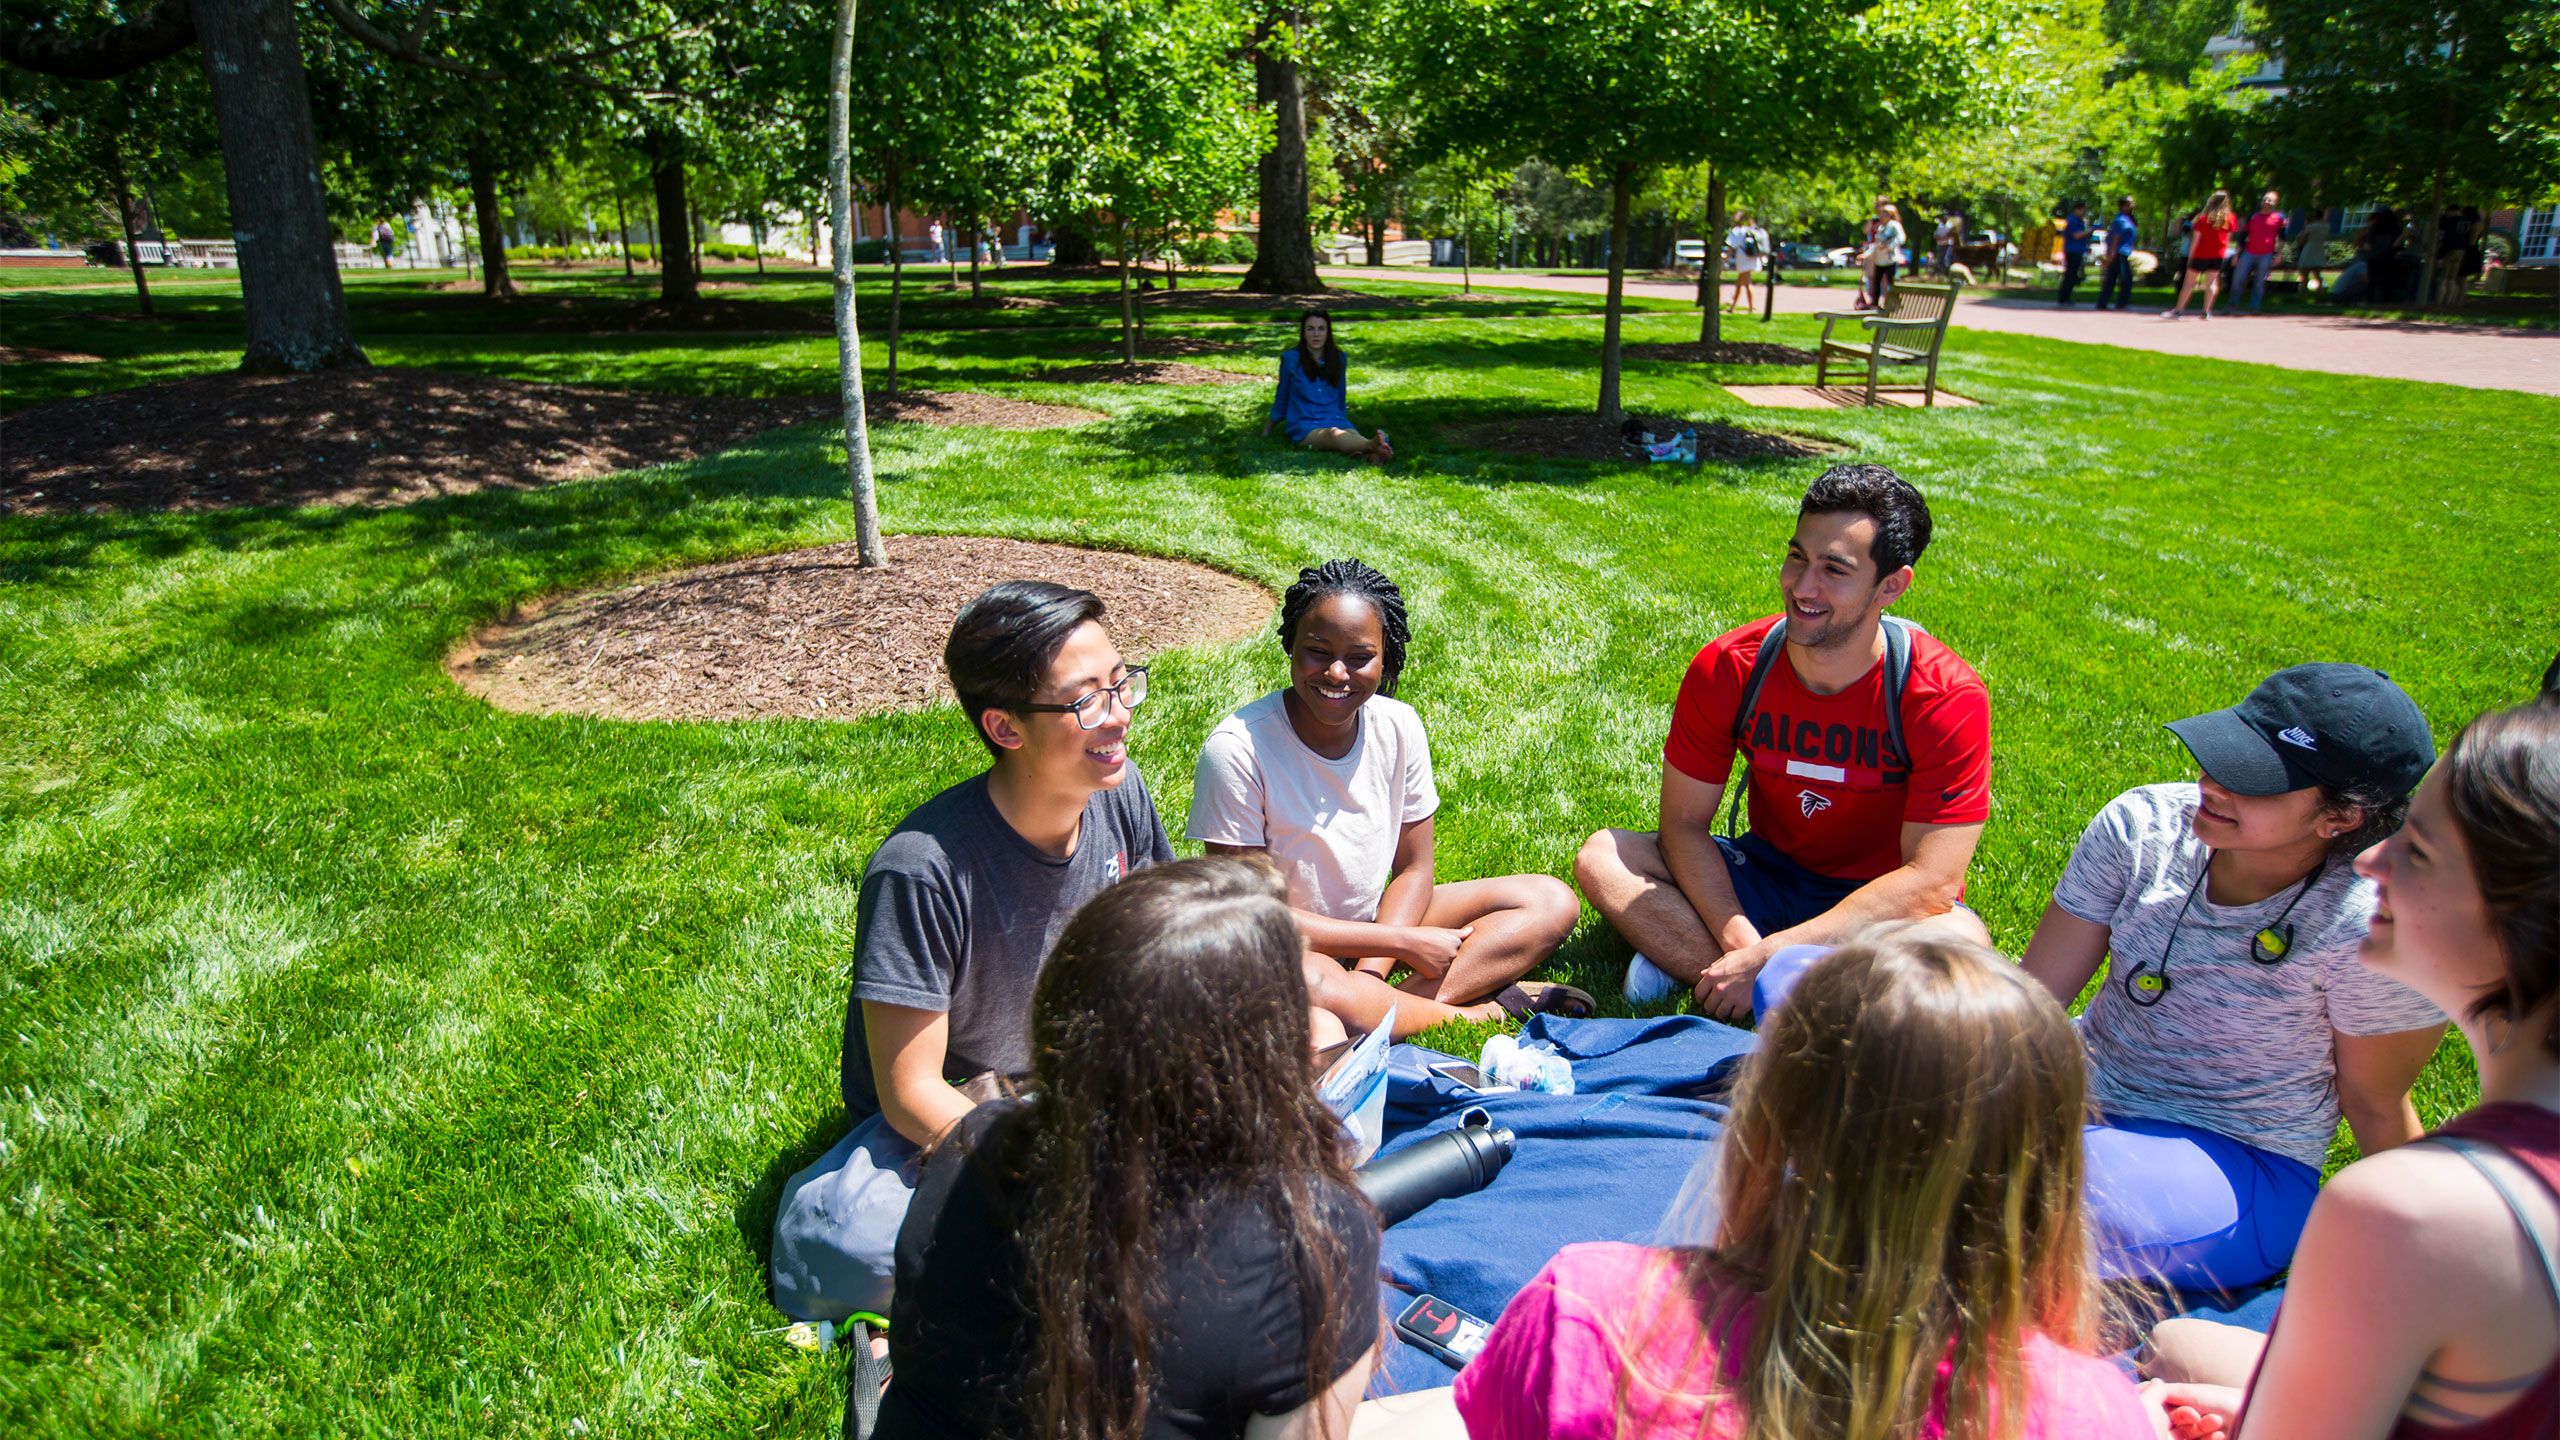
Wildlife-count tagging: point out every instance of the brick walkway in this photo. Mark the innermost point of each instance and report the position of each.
(2483, 357)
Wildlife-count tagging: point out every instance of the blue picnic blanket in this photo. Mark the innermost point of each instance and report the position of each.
(1648, 1103)
(1604, 1163)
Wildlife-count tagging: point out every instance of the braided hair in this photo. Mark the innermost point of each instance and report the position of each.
(1350, 577)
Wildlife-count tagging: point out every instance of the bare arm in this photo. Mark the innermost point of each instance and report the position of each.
(1397, 933)
(2066, 952)
(1697, 866)
(1327, 1416)
(2369, 1303)
(2375, 1073)
(1926, 883)
(908, 1048)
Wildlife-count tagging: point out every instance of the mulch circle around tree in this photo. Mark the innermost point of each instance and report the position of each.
(1163, 347)
(810, 634)
(368, 437)
(1729, 352)
(1145, 372)
(27, 355)
(1569, 436)
(968, 407)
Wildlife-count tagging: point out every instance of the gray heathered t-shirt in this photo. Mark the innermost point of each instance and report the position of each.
(958, 911)
(2236, 1047)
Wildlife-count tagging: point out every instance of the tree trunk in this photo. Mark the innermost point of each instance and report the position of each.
(1466, 253)
(1377, 238)
(857, 426)
(1622, 187)
(951, 252)
(1711, 264)
(755, 223)
(121, 196)
(1128, 311)
(1070, 243)
(1284, 249)
(495, 282)
(466, 248)
(977, 287)
(678, 282)
(295, 309)
(1169, 267)
(622, 227)
(897, 273)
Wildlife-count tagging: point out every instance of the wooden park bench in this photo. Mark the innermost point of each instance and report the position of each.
(1907, 331)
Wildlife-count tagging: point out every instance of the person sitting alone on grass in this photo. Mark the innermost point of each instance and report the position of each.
(1891, 1244)
(1867, 758)
(1164, 1240)
(2235, 1026)
(1312, 403)
(957, 909)
(2425, 1297)
(1330, 779)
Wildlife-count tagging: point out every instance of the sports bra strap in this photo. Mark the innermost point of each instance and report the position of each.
(2469, 1150)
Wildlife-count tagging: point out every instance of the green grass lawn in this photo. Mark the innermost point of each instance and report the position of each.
(373, 1062)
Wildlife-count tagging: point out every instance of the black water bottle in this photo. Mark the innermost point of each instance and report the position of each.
(1451, 1163)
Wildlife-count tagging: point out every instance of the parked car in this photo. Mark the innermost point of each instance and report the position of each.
(1689, 254)
(1808, 255)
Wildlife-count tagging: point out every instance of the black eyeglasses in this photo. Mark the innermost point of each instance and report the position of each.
(1089, 708)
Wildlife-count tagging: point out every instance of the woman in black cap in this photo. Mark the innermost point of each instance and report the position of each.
(2234, 1028)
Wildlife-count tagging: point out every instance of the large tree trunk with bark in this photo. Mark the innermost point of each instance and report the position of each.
(1711, 265)
(678, 282)
(1284, 250)
(289, 291)
(857, 426)
(1377, 240)
(1621, 195)
(495, 282)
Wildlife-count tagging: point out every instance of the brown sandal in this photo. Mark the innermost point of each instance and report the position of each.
(1546, 997)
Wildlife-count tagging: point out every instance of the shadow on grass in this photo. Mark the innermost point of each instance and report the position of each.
(756, 1205)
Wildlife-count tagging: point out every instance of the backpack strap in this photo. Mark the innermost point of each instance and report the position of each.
(1772, 645)
(1897, 680)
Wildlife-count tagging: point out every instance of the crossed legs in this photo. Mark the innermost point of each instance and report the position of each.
(1518, 921)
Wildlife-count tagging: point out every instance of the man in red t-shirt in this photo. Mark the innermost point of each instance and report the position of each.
(2260, 234)
(1845, 831)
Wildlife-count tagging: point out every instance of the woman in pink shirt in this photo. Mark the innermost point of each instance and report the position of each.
(1896, 1251)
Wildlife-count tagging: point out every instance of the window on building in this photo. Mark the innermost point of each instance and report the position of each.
(2538, 238)
(2351, 219)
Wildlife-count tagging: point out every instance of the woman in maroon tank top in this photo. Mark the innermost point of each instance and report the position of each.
(2425, 1299)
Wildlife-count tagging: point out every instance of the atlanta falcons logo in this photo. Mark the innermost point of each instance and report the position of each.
(1812, 802)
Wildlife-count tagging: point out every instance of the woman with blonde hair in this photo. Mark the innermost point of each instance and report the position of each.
(1896, 1248)
(2214, 225)
(1884, 253)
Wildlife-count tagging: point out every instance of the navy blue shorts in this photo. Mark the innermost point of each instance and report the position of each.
(1776, 892)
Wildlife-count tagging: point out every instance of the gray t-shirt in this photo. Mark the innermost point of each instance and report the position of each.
(958, 911)
(2236, 1047)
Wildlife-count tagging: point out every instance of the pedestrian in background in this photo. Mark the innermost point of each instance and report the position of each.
(2115, 281)
(2311, 252)
(2260, 234)
(2209, 242)
(2075, 251)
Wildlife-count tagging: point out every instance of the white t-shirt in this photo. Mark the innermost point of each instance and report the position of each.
(1331, 826)
(1740, 235)
(2234, 1046)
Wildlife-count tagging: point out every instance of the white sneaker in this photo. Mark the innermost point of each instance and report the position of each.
(1648, 982)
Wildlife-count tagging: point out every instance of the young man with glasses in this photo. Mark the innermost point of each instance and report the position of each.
(958, 909)
(1865, 803)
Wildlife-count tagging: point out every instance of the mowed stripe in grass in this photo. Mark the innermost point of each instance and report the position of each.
(376, 1062)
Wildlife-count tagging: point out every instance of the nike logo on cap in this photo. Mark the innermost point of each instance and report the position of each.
(2297, 737)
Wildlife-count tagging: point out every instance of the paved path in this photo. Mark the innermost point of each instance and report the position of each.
(2484, 357)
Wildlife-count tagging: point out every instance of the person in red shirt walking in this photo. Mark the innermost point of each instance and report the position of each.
(2260, 236)
(1867, 745)
(2205, 254)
